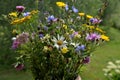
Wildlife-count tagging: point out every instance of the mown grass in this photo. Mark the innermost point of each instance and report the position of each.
(93, 71)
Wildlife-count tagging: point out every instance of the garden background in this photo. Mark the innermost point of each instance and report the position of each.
(92, 71)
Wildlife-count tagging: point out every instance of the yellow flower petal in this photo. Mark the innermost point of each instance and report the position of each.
(14, 14)
(64, 50)
(81, 14)
(64, 26)
(106, 38)
(60, 4)
(89, 17)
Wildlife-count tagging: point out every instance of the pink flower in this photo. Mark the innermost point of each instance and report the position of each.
(20, 8)
(92, 36)
(95, 21)
(19, 67)
(15, 44)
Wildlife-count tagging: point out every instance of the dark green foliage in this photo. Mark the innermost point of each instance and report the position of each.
(7, 56)
(112, 14)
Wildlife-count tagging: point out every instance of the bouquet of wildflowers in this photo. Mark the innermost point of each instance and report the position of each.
(56, 48)
(112, 70)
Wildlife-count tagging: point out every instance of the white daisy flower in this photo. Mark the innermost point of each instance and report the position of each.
(59, 42)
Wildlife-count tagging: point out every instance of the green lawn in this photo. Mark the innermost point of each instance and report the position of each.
(14, 75)
(93, 71)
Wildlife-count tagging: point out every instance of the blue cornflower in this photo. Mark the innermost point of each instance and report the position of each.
(41, 35)
(50, 18)
(66, 7)
(45, 28)
(26, 14)
(80, 48)
(74, 9)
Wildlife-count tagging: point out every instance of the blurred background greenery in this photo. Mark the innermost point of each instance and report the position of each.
(103, 54)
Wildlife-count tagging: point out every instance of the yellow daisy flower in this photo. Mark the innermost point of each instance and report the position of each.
(81, 14)
(60, 4)
(18, 21)
(106, 38)
(64, 50)
(100, 30)
(64, 26)
(14, 31)
(34, 12)
(13, 14)
(89, 17)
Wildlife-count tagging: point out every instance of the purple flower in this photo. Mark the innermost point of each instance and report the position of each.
(95, 21)
(71, 36)
(66, 7)
(15, 44)
(45, 28)
(80, 48)
(74, 9)
(41, 35)
(86, 60)
(26, 14)
(51, 19)
(20, 8)
(92, 36)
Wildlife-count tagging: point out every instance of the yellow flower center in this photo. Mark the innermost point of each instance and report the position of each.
(59, 42)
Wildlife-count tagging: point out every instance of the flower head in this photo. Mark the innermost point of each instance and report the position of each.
(74, 9)
(20, 39)
(20, 8)
(80, 48)
(92, 36)
(86, 60)
(81, 14)
(51, 19)
(66, 7)
(61, 4)
(19, 66)
(26, 14)
(64, 50)
(104, 37)
(95, 21)
(15, 44)
(59, 42)
(89, 16)
(13, 14)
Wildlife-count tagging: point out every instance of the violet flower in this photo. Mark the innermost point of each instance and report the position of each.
(15, 44)
(74, 9)
(51, 19)
(95, 21)
(80, 48)
(26, 14)
(92, 36)
(66, 7)
(86, 60)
